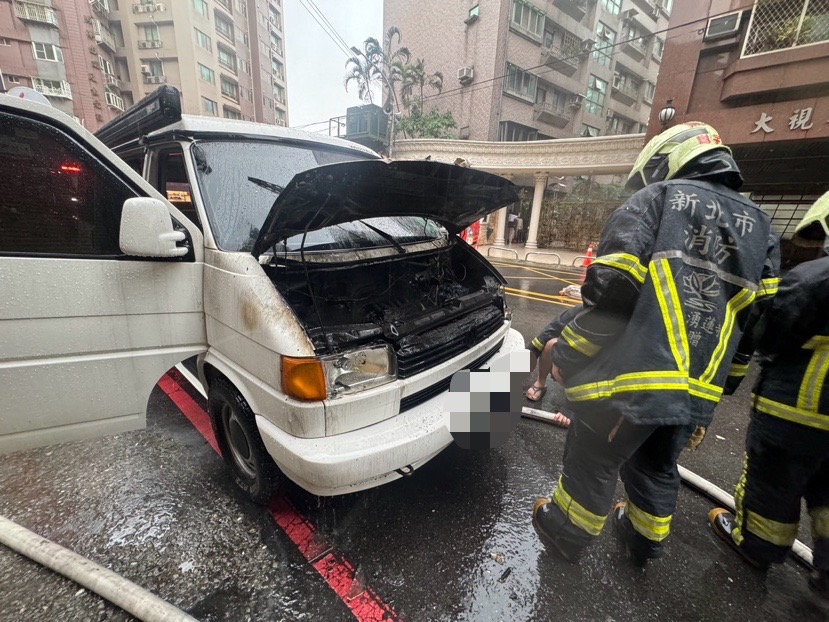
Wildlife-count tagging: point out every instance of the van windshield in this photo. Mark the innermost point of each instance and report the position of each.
(240, 180)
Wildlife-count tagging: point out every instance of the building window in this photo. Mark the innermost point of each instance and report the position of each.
(114, 100)
(229, 88)
(279, 93)
(509, 131)
(276, 44)
(275, 17)
(226, 4)
(281, 119)
(605, 40)
(278, 70)
(244, 66)
(155, 68)
(224, 26)
(596, 91)
(619, 125)
(614, 7)
(527, 19)
(4, 41)
(786, 24)
(520, 83)
(13, 79)
(588, 131)
(231, 113)
(650, 91)
(210, 107)
(242, 7)
(637, 37)
(47, 51)
(201, 8)
(658, 48)
(203, 41)
(52, 88)
(207, 74)
(667, 5)
(106, 66)
(149, 33)
(227, 58)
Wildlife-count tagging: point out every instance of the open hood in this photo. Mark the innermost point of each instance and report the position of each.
(337, 193)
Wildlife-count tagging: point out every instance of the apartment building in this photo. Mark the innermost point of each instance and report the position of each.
(518, 70)
(95, 58)
(758, 71)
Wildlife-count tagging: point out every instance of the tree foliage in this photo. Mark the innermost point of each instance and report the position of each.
(433, 124)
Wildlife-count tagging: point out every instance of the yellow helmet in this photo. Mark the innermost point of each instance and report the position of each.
(667, 153)
(813, 230)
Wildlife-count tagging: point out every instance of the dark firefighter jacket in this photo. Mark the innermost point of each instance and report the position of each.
(679, 267)
(791, 398)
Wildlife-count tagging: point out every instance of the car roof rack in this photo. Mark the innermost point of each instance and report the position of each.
(157, 110)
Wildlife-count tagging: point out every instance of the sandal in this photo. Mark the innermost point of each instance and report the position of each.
(538, 392)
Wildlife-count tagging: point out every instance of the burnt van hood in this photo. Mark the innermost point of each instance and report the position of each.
(329, 195)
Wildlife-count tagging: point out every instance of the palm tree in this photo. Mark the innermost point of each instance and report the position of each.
(415, 79)
(362, 73)
(377, 63)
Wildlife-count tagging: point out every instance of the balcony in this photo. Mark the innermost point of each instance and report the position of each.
(112, 80)
(576, 9)
(52, 88)
(625, 92)
(150, 45)
(100, 6)
(648, 7)
(104, 37)
(155, 79)
(114, 101)
(563, 60)
(546, 112)
(637, 49)
(36, 13)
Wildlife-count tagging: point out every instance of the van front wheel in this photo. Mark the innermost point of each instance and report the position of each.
(242, 449)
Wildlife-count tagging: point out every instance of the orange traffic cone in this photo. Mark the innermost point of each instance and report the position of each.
(586, 263)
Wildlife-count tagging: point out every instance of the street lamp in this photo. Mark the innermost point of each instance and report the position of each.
(390, 113)
(667, 114)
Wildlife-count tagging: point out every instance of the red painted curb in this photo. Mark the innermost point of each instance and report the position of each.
(363, 602)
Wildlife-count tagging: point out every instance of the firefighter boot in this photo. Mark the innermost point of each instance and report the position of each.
(548, 522)
(638, 547)
(819, 585)
(723, 523)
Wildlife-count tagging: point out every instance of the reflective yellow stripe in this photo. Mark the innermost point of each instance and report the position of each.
(739, 499)
(537, 345)
(644, 381)
(655, 528)
(820, 522)
(813, 380)
(577, 514)
(671, 309)
(737, 370)
(577, 342)
(626, 263)
(791, 413)
(781, 534)
(819, 341)
(768, 287)
(734, 306)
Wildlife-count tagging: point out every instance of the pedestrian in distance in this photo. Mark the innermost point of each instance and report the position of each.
(519, 229)
(787, 444)
(512, 220)
(679, 267)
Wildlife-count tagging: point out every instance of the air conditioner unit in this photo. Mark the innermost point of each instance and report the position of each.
(139, 8)
(145, 69)
(576, 100)
(629, 14)
(587, 45)
(466, 75)
(617, 81)
(609, 114)
(160, 7)
(723, 26)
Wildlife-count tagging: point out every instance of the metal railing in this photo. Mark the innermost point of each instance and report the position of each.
(49, 88)
(549, 108)
(36, 13)
(627, 89)
(499, 248)
(543, 254)
(785, 24)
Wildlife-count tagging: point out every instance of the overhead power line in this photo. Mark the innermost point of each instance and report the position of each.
(332, 33)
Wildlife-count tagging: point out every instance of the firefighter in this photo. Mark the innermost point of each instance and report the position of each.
(678, 268)
(787, 446)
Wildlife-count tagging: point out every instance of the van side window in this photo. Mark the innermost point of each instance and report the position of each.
(57, 198)
(171, 181)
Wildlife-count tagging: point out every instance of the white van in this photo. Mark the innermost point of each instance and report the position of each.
(315, 282)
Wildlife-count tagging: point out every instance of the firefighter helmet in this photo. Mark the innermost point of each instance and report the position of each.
(667, 153)
(814, 228)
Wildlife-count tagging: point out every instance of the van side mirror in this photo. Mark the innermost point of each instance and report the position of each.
(147, 229)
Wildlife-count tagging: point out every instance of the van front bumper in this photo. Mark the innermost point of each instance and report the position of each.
(370, 456)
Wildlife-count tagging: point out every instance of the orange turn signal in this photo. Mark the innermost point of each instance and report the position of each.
(303, 379)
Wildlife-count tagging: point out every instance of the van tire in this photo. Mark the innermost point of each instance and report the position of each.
(234, 425)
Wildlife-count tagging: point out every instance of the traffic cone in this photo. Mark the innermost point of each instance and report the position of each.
(587, 262)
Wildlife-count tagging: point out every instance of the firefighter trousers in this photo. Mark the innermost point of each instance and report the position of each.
(599, 448)
(768, 499)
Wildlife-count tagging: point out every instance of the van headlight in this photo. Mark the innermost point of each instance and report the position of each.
(358, 370)
(315, 379)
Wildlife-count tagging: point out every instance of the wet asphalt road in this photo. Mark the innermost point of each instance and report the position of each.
(452, 542)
